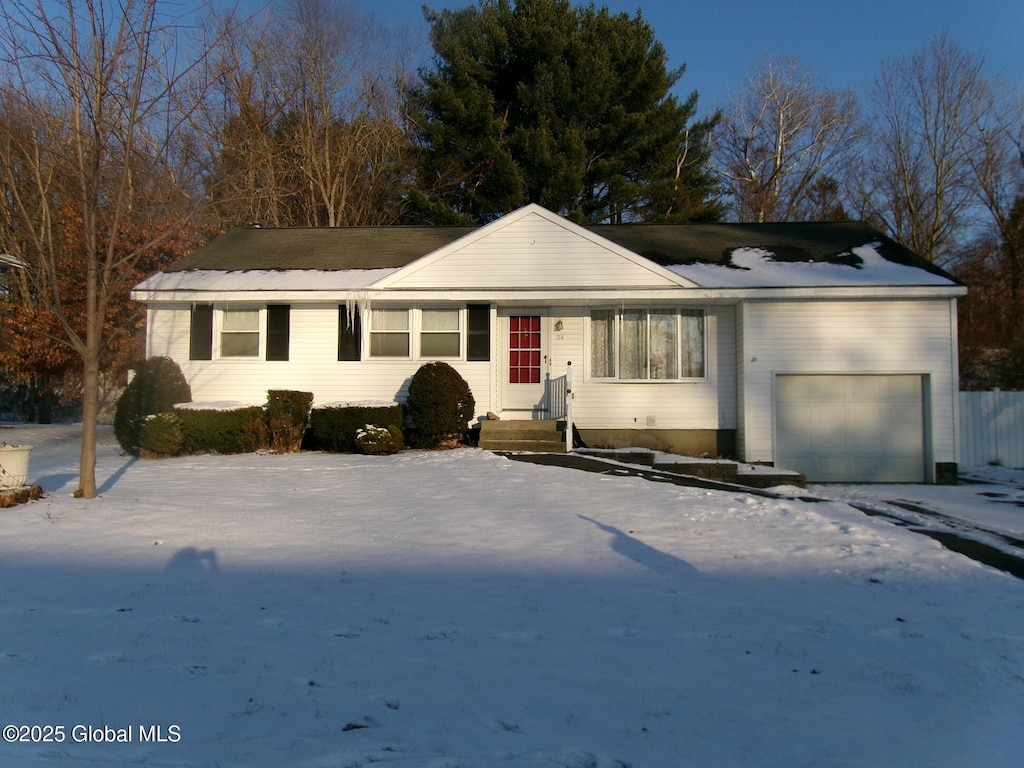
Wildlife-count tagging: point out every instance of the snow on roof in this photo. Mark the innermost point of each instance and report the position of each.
(758, 268)
(714, 256)
(265, 280)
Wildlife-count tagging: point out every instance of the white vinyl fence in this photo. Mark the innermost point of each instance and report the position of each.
(991, 429)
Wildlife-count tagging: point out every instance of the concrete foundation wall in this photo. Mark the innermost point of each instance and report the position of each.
(720, 443)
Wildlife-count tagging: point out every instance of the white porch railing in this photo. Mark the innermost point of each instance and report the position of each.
(554, 397)
(558, 396)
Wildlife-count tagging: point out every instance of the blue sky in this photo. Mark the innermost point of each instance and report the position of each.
(843, 43)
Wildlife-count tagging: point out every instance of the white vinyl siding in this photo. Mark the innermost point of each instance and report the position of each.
(704, 403)
(535, 252)
(914, 337)
(708, 403)
(313, 365)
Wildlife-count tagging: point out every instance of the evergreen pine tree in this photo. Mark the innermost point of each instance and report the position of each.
(565, 106)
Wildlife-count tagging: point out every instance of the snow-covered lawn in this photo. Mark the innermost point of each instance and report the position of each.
(459, 609)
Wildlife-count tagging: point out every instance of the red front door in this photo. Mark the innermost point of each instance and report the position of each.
(524, 349)
(526, 371)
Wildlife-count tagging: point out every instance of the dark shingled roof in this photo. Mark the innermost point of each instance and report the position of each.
(341, 248)
(830, 242)
(325, 248)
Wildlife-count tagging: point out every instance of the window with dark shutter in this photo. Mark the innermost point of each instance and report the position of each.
(278, 323)
(200, 338)
(478, 332)
(349, 333)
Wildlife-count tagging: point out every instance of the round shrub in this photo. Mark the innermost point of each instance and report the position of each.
(378, 441)
(157, 385)
(440, 405)
(161, 435)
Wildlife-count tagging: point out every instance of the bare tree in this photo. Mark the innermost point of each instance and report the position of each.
(994, 148)
(237, 122)
(307, 128)
(102, 88)
(918, 181)
(783, 141)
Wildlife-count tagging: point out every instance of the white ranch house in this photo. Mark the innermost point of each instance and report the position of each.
(823, 348)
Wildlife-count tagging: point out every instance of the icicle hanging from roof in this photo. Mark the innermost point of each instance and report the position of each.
(354, 300)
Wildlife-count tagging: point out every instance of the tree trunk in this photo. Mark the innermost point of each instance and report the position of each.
(95, 310)
(90, 413)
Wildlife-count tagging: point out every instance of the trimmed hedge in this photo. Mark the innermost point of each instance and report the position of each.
(287, 414)
(161, 435)
(333, 428)
(240, 430)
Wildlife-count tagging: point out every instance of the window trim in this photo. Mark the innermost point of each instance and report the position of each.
(267, 351)
(459, 332)
(616, 316)
(407, 332)
(261, 330)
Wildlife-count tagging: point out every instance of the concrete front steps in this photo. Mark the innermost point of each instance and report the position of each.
(718, 470)
(539, 437)
(533, 436)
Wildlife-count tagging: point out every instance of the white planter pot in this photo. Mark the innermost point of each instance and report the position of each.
(14, 465)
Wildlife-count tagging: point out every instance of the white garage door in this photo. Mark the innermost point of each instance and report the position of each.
(850, 428)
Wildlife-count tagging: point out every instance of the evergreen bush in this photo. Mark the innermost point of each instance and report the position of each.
(287, 414)
(333, 428)
(157, 385)
(440, 405)
(161, 435)
(238, 430)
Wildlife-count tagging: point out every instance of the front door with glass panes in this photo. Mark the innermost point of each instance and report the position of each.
(526, 366)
